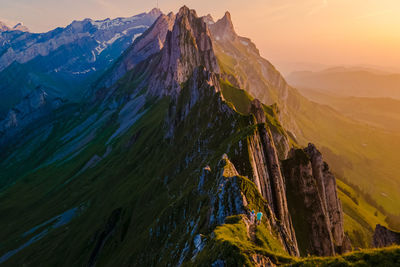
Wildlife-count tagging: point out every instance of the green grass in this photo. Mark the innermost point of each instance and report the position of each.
(360, 218)
(240, 98)
(231, 243)
(368, 257)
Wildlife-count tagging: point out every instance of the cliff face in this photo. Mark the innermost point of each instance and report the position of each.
(384, 237)
(151, 42)
(186, 47)
(313, 201)
(267, 174)
(36, 105)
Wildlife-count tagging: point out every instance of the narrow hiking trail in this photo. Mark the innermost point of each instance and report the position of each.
(259, 260)
(251, 229)
(252, 232)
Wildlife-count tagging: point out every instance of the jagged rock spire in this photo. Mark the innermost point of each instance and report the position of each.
(223, 28)
(314, 203)
(155, 12)
(150, 43)
(186, 47)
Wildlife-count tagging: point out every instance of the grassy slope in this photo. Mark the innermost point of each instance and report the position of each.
(360, 218)
(362, 154)
(134, 181)
(369, 257)
(232, 243)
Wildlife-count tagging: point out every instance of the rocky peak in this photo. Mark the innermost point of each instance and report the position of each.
(208, 19)
(257, 110)
(153, 39)
(149, 43)
(20, 27)
(3, 27)
(313, 202)
(384, 237)
(223, 28)
(155, 13)
(186, 47)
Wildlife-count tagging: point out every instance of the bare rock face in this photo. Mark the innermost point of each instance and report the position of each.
(313, 202)
(200, 85)
(186, 47)
(267, 174)
(257, 110)
(34, 106)
(384, 237)
(151, 42)
(208, 19)
(262, 261)
(228, 200)
(20, 27)
(223, 29)
(3, 27)
(281, 139)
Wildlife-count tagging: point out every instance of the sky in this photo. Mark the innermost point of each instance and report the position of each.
(289, 33)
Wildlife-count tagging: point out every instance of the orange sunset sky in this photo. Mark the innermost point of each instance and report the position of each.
(327, 32)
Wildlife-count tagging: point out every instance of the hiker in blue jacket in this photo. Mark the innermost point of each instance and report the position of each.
(252, 216)
(259, 217)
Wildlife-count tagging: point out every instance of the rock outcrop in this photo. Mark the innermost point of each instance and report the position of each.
(223, 29)
(3, 27)
(267, 173)
(20, 27)
(384, 237)
(229, 199)
(149, 43)
(314, 204)
(251, 72)
(34, 106)
(186, 47)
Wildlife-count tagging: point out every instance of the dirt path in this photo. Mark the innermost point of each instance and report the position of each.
(251, 229)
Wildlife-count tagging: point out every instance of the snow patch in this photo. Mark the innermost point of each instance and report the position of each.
(135, 36)
(82, 72)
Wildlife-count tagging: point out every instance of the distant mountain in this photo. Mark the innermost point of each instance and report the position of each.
(20, 27)
(355, 81)
(63, 62)
(17, 27)
(163, 160)
(3, 27)
(379, 112)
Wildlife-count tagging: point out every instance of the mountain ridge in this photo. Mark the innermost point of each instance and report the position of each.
(163, 166)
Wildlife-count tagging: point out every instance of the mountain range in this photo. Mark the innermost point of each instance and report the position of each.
(354, 81)
(157, 155)
(17, 27)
